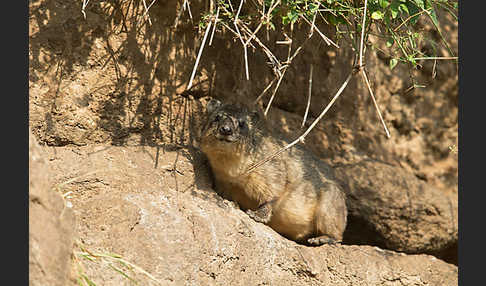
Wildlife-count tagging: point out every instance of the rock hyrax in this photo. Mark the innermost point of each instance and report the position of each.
(293, 193)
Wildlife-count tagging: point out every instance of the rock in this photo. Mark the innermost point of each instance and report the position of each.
(401, 211)
(155, 208)
(51, 225)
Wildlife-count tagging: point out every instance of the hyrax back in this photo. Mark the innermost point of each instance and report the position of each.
(293, 193)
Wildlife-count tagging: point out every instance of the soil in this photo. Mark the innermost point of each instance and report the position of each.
(109, 106)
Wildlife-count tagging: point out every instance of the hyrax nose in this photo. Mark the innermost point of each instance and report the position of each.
(225, 129)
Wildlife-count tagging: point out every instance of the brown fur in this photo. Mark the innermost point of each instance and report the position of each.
(293, 193)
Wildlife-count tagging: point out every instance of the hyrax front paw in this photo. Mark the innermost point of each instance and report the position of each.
(320, 240)
(262, 214)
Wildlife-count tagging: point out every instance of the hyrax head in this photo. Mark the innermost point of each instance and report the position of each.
(230, 127)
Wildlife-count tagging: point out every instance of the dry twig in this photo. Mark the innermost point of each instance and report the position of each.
(235, 23)
(313, 26)
(199, 55)
(145, 14)
(214, 28)
(85, 3)
(288, 41)
(308, 96)
(265, 90)
(186, 4)
(363, 71)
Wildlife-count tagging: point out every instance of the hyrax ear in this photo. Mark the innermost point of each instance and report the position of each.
(212, 105)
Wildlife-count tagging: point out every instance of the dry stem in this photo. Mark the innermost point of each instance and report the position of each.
(145, 14)
(235, 22)
(362, 36)
(289, 43)
(313, 26)
(308, 97)
(265, 90)
(199, 55)
(85, 3)
(287, 63)
(365, 77)
(214, 28)
(363, 71)
(275, 91)
(186, 3)
(436, 58)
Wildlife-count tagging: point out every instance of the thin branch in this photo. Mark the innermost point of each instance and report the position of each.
(297, 51)
(179, 14)
(289, 42)
(265, 90)
(362, 36)
(365, 77)
(363, 72)
(199, 55)
(254, 33)
(434, 70)
(85, 3)
(235, 33)
(231, 6)
(313, 24)
(263, 16)
(235, 22)
(268, 52)
(436, 58)
(145, 14)
(236, 19)
(326, 39)
(406, 20)
(186, 3)
(280, 74)
(246, 63)
(308, 96)
(275, 91)
(214, 28)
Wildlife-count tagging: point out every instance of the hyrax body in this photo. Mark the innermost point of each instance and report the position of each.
(292, 193)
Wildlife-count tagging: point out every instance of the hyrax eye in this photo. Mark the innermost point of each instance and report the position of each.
(242, 123)
(217, 117)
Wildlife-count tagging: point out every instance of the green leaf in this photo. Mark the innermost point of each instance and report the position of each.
(285, 20)
(267, 3)
(413, 9)
(420, 3)
(387, 20)
(293, 16)
(383, 3)
(412, 60)
(272, 26)
(432, 13)
(335, 20)
(389, 42)
(393, 63)
(377, 15)
(402, 7)
(313, 7)
(394, 8)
